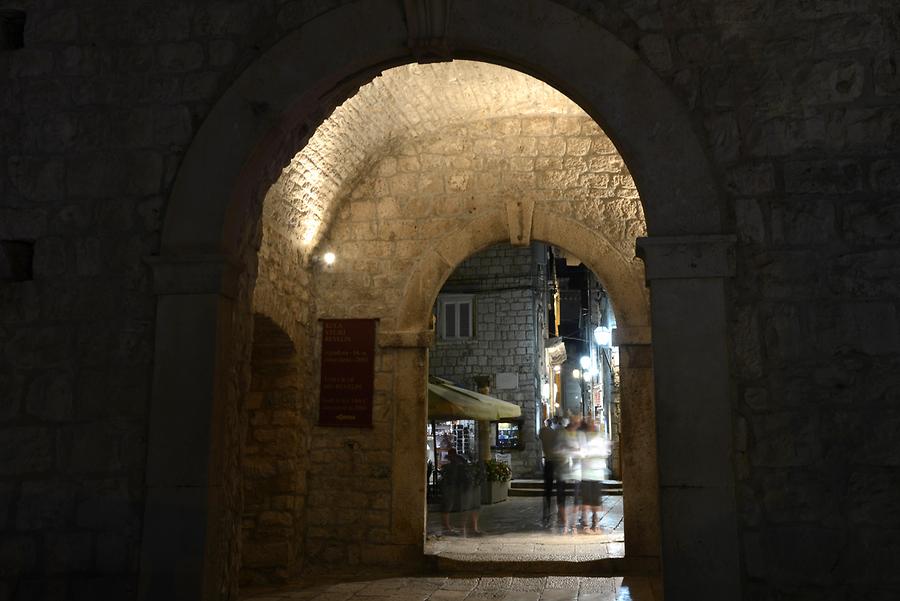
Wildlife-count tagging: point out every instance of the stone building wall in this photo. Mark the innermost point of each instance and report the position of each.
(798, 103)
(419, 189)
(416, 191)
(349, 483)
(274, 459)
(275, 451)
(502, 278)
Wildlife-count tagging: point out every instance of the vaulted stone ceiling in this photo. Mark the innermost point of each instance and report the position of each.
(412, 101)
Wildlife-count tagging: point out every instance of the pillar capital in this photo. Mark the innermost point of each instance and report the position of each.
(631, 336)
(195, 274)
(687, 257)
(634, 347)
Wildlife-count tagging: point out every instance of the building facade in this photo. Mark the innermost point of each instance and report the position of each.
(506, 288)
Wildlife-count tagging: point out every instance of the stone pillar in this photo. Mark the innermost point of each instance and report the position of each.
(484, 427)
(640, 476)
(410, 351)
(687, 277)
(189, 541)
(484, 440)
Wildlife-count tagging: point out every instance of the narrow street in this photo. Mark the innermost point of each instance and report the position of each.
(512, 531)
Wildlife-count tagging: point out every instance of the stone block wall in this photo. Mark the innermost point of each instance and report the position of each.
(416, 191)
(275, 449)
(502, 278)
(275, 457)
(798, 104)
(350, 484)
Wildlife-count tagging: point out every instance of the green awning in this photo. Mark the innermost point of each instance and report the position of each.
(446, 401)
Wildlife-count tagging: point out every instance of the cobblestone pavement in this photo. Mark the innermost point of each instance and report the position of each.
(550, 588)
(513, 532)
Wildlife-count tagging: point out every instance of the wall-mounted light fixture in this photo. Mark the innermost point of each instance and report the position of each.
(329, 258)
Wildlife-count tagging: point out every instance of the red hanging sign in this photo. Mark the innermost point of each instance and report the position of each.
(347, 382)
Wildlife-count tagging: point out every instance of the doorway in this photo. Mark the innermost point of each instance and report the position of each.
(680, 201)
(530, 326)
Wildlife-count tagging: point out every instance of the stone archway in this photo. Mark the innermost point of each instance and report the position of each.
(640, 480)
(432, 269)
(206, 268)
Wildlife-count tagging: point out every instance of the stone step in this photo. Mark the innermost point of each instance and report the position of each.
(535, 488)
(611, 566)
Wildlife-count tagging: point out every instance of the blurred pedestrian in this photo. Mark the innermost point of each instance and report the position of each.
(461, 493)
(452, 478)
(548, 446)
(594, 452)
(568, 448)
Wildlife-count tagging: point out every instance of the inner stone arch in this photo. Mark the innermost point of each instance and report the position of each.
(418, 103)
(422, 167)
(466, 125)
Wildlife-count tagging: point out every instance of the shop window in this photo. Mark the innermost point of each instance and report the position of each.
(507, 435)
(455, 316)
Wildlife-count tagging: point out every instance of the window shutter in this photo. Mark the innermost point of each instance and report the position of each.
(450, 320)
(465, 318)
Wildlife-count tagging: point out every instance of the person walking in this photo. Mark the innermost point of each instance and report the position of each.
(452, 482)
(548, 446)
(594, 452)
(569, 477)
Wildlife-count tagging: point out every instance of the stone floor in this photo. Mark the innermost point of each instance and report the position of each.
(513, 532)
(549, 588)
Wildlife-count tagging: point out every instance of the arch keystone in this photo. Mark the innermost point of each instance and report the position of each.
(519, 217)
(427, 22)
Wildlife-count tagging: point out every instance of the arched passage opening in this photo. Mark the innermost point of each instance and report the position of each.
(511, 159)
(431, 162)
(521, 324)
(494, 226)
(207, 269)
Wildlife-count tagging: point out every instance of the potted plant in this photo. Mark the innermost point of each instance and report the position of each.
(496, 482)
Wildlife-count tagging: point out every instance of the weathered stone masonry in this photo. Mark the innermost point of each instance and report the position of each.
(274, 460)
(417, 190)
(796, 102)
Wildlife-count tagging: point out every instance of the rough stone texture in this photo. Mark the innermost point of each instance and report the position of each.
(509, 322)
(415, 192)
(349, 484)
(274, 459)
(798, 103)
(406, 102)
(426, 186)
